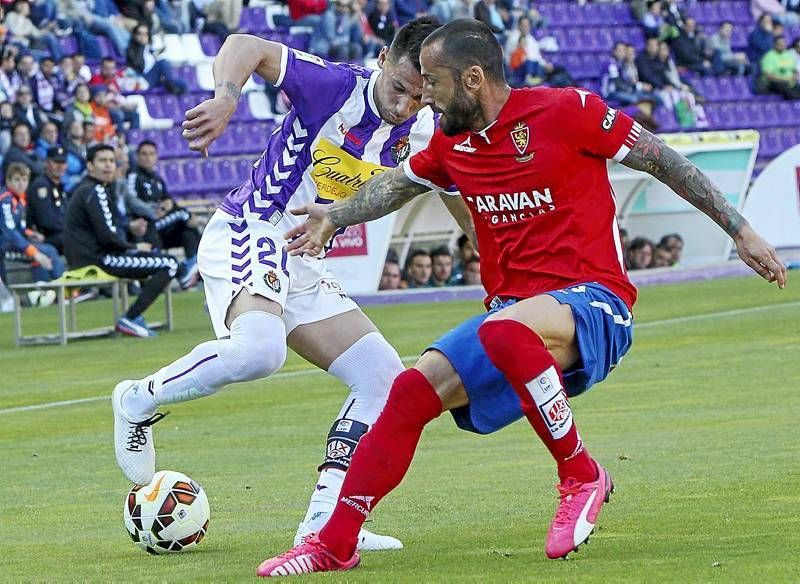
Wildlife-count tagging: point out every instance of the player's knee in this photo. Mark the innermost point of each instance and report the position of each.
(369, 366)
(258, 346)
(500, 341)
(409, 389)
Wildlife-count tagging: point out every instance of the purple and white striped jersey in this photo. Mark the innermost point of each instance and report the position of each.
(329, 144)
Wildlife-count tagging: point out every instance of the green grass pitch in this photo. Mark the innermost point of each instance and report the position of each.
(698, 425)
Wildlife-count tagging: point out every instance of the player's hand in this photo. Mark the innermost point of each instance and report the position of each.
(43, 260)
(206, 122)
(310, 237)
(760, 256)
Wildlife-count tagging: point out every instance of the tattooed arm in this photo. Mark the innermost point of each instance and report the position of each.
(240, 56)
(379, 196)
(651, 155)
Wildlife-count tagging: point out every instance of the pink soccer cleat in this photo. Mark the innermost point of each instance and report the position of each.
(306, 558)
(577, 513)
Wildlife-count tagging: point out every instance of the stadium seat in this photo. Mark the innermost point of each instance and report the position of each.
(146, 121)
(259, 105)
(173, 49)
(254, 19)
(210, 44)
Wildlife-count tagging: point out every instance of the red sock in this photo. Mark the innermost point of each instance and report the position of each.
(381, 459)
(520, 354)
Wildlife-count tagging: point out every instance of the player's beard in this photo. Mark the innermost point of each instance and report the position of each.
(458, 115)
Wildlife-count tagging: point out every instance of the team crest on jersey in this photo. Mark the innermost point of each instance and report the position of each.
(271, 279)
(401, 149)
(520, 135)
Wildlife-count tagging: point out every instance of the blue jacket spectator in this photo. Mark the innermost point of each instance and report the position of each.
(407, 10)
(339, 36)
(759, 43)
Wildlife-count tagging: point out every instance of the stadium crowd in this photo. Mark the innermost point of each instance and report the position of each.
(55, 106)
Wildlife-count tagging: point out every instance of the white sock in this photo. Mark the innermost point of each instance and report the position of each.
(255, 349)
(369, 387)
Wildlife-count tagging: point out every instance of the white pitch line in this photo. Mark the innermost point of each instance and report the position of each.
(411, 358)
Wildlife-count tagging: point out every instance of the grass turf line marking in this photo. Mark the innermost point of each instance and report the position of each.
(410, 358)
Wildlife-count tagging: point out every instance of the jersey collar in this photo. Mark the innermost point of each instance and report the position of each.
(373, 105)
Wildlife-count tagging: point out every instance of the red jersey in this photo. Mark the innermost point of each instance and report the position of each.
(537, 185)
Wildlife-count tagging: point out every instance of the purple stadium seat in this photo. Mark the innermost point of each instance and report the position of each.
(135, 136)
(789, 137)
(242, 113)
(189, 74)
(106, 48)
(210, 44)
(770, 143)
(69, 44)
(227, 174)
(622, 14)
(244, 166)
(226, 143)
(739, 37)
(174, 144)
(755, 115)
(173, 174)
(576, 15)
(253, 19)
(709, 88)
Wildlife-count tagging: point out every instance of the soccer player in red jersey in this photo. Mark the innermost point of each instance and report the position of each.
(531, 165)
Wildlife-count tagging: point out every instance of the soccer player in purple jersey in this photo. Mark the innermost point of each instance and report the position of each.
(346, 124)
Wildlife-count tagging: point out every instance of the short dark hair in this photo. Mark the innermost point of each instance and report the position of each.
(144, 143)
(640, 243)
(408, 41)
(665, 240)
(462, 240)
(92, 152)
(415, 253)
(109, 59)
(466, 42)
(442, 250)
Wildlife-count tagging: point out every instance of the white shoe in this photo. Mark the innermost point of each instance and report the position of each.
(367, 541)
(133, 441)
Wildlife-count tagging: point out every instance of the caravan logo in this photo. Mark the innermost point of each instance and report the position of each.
(513, 207)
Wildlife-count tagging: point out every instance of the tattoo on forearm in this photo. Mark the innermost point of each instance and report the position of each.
(651, 155)
(232, 89)
(380, 196)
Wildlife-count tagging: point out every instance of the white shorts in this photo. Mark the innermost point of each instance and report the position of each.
(248, 253)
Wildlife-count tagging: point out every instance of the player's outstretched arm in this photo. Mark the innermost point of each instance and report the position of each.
(460, 212)
(241, 55)
(651, 155)
(382, 194)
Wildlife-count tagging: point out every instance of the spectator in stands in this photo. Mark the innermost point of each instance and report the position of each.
(418, 269)
(225, 14)
(47, 87)
(761, 39)
(68, 81)
(679, 96)
(640, 254)
(442, 268)
(104, 128)
(390, 278)
(9, 77)
(776, 9)
(18, 241)
(21, 150)
(408, 10)
(383, 21)
(88, 133)
(80, 109)
(673, 243)
(302, 13)
(46, 199)
(465, 252)
(691, 49)
(662, 258)
(653, 21)
(48, 138)
(27, 33)
(651, 68)
(176, 226)
(489, 13)
(339, 35)
(6, 126)
(724, 60)
(673, 16)
(371, 44)
(27, 68)
(98, 17)
(472, 272)
(621, 84)
(624, 238)
(81, 68)
(144, 60)
(76, 155)
(121, 109)
(92, 237)
(26, 111)
(525, 60)
(796, 52)
(779, 71)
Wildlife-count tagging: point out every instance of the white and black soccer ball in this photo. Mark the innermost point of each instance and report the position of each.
(168, 515)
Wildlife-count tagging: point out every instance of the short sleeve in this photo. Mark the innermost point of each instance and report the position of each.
(313, 84)
(427, 168)
(596, 128)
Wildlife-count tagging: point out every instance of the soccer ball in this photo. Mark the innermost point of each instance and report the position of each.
(168, 515)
